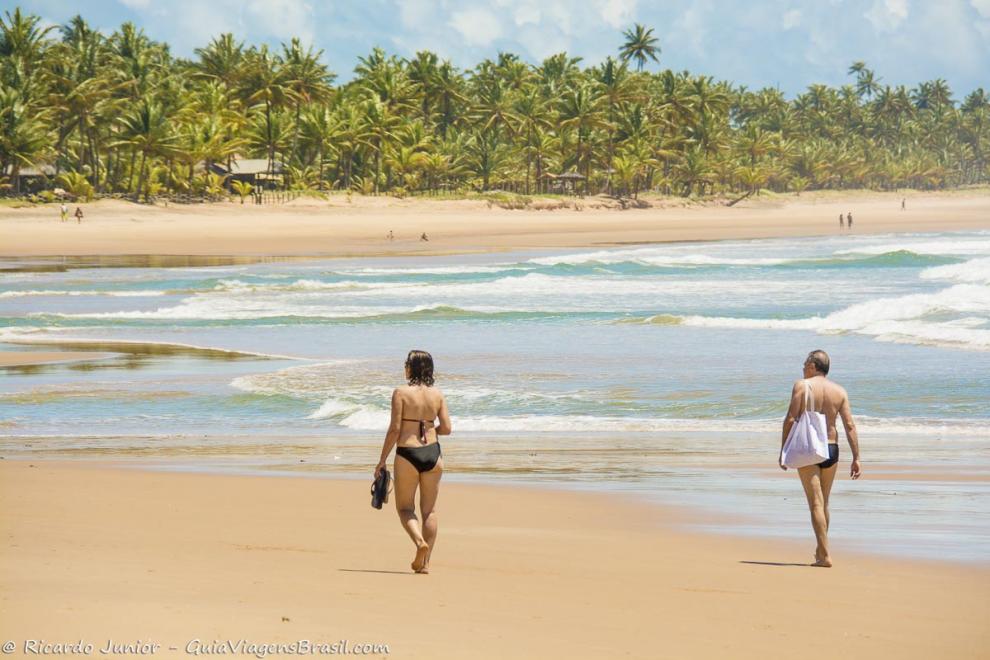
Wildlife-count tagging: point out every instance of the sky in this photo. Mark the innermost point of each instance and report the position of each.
(788, 44)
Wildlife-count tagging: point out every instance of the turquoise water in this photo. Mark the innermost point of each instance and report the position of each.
(660, 370)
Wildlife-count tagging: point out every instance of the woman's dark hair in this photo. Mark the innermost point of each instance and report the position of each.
(420, 365)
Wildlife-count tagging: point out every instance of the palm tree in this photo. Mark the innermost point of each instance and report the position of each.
(124, 114)
(617, 89)
(222, 60)
(266, 83)
(24, 138)
(531, 114)
(148, 131)
(308, 79)
(242, 188)
(640, 45)
(379, 126)
(22, 46)
(581, 110)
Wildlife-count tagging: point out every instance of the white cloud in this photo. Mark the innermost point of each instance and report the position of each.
(199, 22)
(136, 4)
(478, 26)
(283, 18)
(416, 13)
(887, 15)
(527, 14)
(982, 7)
(791, 19)
(617, 13)
(690, 28)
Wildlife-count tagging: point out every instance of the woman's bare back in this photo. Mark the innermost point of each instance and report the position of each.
(419, 403)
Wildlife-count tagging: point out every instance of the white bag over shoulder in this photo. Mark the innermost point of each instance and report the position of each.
(807, 443)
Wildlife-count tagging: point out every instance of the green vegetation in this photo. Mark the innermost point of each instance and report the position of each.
(242, 188)
(125, 116)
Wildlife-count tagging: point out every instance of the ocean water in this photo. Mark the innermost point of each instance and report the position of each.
(661, 371)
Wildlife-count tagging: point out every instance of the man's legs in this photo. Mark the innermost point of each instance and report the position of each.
(828, 476)
(811, 480)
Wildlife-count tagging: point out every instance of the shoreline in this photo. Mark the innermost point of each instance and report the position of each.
(279, 559)
(120, 233)
(687, 517)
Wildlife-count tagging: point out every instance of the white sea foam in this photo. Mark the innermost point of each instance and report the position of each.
(975, 270)
(430, 270)
(946, 247)
(540, 292)
(535, 293)
(899, 319)
(367, 417)
(55, 292)
(654, 257)
(238, 286)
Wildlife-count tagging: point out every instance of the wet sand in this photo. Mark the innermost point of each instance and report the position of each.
(34, 358)
(94, 552)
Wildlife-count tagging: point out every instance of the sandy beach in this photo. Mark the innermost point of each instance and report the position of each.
(359, 227)
(97, 552)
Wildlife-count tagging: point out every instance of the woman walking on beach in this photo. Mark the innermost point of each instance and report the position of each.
(418, 461)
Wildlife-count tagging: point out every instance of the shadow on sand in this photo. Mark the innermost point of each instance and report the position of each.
(774, 563)
(372, 570)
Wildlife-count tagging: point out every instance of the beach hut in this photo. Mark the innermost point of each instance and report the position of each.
(31, 179)
(564, 182)
(252, 170)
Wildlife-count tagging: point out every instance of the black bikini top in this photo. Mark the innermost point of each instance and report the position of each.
(422, 427)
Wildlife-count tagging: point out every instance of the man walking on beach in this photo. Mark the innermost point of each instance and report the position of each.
(63, 211)
(842, 222)
(831, 400)
(79, 215)
(849, 219)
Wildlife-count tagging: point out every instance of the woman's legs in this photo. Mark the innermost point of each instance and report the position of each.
(429, 489)
(406, 482)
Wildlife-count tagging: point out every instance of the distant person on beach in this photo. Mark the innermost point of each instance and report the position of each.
(63, 211)
(849, 219)
(424, 237)
(903, 203)
(391, 236)
(79, 215)
(831, 400)
(418, 460)
(842, 221)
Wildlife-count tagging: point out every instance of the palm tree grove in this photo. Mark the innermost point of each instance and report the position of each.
(118, 115)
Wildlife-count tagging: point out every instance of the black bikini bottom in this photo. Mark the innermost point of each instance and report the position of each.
(833, 456)
(423, 458)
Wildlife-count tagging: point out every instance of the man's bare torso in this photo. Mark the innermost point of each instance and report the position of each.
(828, 398)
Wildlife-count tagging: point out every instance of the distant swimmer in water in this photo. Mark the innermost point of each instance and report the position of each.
(817, 393)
